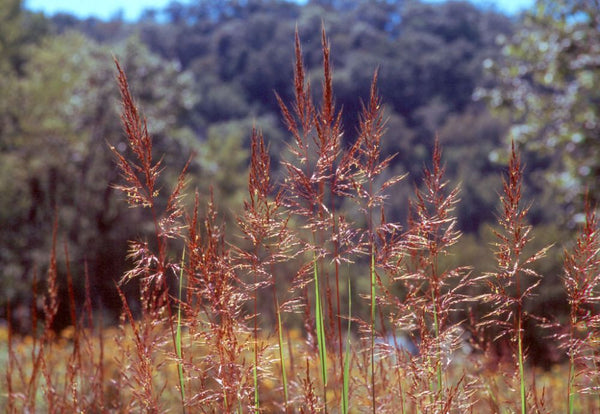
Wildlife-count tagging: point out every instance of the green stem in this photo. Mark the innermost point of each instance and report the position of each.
(255, 368)
(255, 375)
(320, 328)
(346, 388)
(438, 350)
(436, 327)
(521, 365)
(373, 281)
(178, 334)
(281, 355)
(570, 394)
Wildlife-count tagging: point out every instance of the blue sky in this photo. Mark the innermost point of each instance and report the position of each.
(132, 8)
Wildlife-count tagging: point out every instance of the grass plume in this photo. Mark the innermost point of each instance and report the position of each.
(262, 323)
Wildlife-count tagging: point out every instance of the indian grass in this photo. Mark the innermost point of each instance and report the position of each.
(282, 362)
(320, 329)
(178, 331)
(515, 280)
(582, 284)
(216, 356)
(347, 355)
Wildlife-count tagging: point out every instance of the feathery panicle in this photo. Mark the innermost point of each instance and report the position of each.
(264, 226)
(141, 177)
(141, 188)
(582, 284)
(433, 293)
(514, 280)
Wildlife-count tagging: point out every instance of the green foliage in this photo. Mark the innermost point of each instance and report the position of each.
(548, 78)
(18, 31)
(67, 88)
(429, 57)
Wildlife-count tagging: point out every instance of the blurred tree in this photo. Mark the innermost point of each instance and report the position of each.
(111, 31)
(548, 84)
(57, 157)
(18, 29)
(430, 58)
(224, 161)
(470, 155)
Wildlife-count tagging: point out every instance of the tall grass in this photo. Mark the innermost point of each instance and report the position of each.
(234, 344)
(515, 280)
(579, 340)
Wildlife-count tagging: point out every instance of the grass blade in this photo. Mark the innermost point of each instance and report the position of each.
(178, 333)
(345, 390)
(281, 354)
(255, 378)
(373, 281)
(320, 326)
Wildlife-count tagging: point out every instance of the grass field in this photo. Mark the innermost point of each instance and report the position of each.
(269, 322)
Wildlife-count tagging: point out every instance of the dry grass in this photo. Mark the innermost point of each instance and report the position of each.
(213, 347)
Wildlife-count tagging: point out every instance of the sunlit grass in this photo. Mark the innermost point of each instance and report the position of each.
(208, 348)
(493, 385)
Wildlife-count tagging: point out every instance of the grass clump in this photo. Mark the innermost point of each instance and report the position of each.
(264, 323)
